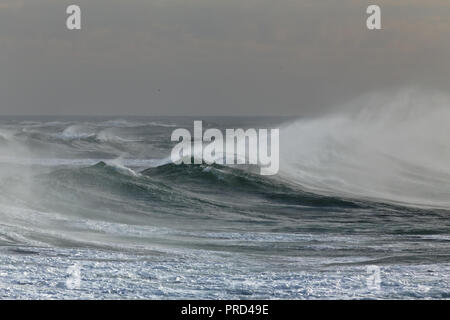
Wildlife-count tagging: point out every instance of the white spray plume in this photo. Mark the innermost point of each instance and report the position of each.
(382, 146)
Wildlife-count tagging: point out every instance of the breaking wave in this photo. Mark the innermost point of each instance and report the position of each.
(395, 149)
(374, 155)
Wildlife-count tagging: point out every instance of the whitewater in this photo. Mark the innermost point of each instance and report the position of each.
(365, 185)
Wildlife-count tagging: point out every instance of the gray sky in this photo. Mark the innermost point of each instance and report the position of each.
(214, 57)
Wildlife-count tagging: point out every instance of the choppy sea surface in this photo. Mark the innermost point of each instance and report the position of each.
(92, 208)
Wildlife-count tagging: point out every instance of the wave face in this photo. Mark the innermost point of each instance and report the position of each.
(364, 186)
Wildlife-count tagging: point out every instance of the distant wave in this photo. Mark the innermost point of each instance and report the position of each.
(122, 123)
(6, 134)
(74, 132)
(160, 124)
(91, 133)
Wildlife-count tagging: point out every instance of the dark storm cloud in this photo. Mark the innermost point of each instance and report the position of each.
(214, 57)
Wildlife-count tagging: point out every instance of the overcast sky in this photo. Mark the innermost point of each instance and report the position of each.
(215, 57)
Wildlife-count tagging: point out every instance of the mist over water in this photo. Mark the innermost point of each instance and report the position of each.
(384, 147)
(366, 185)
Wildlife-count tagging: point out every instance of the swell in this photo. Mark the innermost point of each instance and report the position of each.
(107, 205)
(111, 206)
(218, 179)
(177, 186)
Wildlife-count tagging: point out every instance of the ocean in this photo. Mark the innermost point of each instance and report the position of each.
(93, 208)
